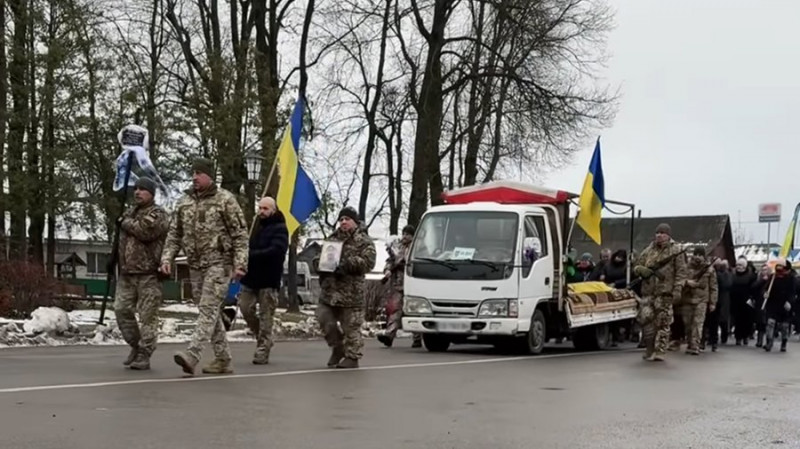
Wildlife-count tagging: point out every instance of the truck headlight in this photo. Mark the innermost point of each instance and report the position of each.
(414, 305)
(499, 308)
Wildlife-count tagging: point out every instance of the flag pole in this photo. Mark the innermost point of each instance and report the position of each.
(264, 190)
(112, 262)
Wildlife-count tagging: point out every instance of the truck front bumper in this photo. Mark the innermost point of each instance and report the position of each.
(461, 326)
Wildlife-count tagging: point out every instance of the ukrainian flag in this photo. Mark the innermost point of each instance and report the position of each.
(788, 241)
(297, 196)
(592, 198)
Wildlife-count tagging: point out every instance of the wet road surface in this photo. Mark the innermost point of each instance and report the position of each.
(468, 398)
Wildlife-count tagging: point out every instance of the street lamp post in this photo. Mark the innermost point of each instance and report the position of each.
(252, 163)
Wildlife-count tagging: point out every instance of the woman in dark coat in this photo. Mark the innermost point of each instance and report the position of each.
(744, 276)
(781, 301)
(615, 273)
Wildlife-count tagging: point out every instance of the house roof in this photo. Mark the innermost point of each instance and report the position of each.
(698, 230)
(69, 258)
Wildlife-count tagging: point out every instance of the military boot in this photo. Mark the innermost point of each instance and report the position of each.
(141, 363)
(417, 341)
(261, 357)
(348, 363)
(674, 345)
(760, 340)
(783, 344)
(337, 353)
(218, 366)
(386, 340)
(131, 356)
(186, 361)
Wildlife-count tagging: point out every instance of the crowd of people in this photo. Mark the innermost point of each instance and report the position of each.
(209, 228)
(694, 299)
(697, 300)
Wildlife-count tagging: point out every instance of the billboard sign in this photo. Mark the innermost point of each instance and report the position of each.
(769, 212)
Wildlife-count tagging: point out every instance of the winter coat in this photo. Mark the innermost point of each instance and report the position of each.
(742, 289)
(783, 291)
(268, 246)
(141, 239)
(614, 273)
(345, 286)
(724, 284)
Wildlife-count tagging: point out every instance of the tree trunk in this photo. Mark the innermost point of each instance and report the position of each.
(3, 122)
(372, 112)
(35, 184)
(267, 85)
(429, 122)
(49, 144)
(17, 69)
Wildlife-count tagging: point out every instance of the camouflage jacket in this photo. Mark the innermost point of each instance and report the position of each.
(345, 287)
(395, 266)
(669, 280)
(706, 290)
(141, 239)
(211, 229)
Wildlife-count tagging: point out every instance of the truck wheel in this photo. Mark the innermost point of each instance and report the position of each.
(592, 338)
(435, 343)
(537, 334)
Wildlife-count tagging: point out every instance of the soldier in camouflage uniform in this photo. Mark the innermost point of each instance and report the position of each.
(699, 295)
(210, 228)
(659, 287)
(394, 271)
(143, 228)
(342, 296)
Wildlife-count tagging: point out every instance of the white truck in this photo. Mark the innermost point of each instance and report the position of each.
(488, 267)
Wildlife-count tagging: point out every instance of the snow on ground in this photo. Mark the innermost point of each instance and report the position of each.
(47, 319)
(51, 326)
(180, 308)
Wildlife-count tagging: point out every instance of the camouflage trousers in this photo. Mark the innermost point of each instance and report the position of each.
(209, 287)
(394, 322)
(656, 333)
(693, 315)
(349, 336)
(142, 294)
(258, 310)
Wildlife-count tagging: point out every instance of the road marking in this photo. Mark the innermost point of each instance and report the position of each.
(299, 372)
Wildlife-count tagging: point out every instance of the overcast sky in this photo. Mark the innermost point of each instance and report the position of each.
(709, 121)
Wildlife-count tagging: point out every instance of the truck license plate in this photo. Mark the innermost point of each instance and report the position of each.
(453, 326)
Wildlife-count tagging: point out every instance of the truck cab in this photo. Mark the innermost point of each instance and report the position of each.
(487, 267)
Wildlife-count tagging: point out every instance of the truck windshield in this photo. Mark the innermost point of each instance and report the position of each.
(465, 245)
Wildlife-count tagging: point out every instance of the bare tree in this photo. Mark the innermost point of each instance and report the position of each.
(17, 71)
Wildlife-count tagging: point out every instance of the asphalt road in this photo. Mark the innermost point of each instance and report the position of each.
(469, 398)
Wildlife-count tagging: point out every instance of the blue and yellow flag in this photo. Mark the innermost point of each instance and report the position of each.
(297, 196)
(592, 198)
(788, 241)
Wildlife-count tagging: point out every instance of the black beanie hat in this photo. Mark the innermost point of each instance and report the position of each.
(350, 213)
(409, 230)
(148, 184)
(203, 165)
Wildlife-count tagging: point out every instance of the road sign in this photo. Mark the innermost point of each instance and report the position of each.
(769, 212)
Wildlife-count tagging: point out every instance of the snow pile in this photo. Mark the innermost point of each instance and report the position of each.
(52, 320)
(52, 326)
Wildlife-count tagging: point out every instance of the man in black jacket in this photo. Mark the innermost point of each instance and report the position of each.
(268, 245)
